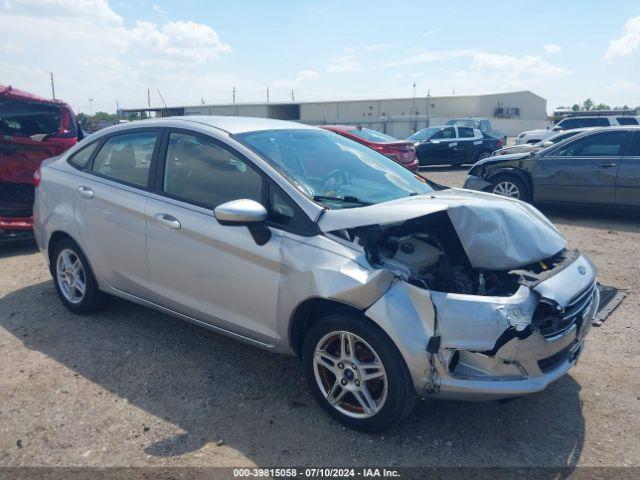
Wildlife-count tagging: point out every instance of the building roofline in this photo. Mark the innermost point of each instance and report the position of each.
(310, 102)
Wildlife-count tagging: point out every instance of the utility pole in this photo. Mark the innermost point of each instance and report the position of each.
(148, 98)
(428, 105)
(90, 106)
(53, 87)
(414, 124)
(293, 97)
(164, 103)
(267, 94)
(234, 94)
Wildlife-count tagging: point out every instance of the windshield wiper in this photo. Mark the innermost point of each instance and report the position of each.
(345, 199)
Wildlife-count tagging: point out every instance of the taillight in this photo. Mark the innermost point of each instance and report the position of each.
(37, 176)
(500, 142)
(65, 123)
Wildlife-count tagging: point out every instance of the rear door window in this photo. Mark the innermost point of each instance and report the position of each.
(593, 122)
(445, 133)
(127, 157)
(465, 132)
(634, 149)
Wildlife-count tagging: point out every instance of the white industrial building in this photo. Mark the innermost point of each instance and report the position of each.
(510, 112)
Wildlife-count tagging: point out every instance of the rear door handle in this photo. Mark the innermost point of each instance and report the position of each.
(85, 192)
(607, 165)
(454, 144)
(167, 221)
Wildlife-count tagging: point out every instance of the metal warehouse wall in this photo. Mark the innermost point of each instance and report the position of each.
(532, 107)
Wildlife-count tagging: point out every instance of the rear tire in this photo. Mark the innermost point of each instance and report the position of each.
(370, 389)
(74, 280)
(511, 186)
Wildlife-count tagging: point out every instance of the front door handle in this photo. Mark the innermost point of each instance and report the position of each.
(167, 221)
(85, 192)
(607, 165)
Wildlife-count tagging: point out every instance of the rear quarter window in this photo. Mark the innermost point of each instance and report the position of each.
(627, 121)
(81, 158)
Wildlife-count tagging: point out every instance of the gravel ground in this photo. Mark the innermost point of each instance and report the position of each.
(133, 387)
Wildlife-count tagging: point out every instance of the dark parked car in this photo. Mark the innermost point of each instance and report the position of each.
(597, 167)
(31, 129)
(453, 145)
(401, 151)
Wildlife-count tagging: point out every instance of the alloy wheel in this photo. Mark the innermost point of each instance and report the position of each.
(350, 374)
(71, 276)
(507, 189)
(484, 155)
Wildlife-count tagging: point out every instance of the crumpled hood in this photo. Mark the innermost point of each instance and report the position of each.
(497, 233)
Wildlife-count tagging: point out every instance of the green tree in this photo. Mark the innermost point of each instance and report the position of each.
(587, 104)
(576, 108)
(102, 116)
(602, 106)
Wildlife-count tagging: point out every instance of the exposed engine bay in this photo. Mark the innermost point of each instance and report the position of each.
(429, 253)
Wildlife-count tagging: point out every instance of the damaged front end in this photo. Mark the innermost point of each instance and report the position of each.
(479, 310)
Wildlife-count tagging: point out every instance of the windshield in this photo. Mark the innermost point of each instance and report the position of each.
(423, 134)
(333, 170)
(371, 135)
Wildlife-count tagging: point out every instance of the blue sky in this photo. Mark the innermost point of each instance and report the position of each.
(562, 50)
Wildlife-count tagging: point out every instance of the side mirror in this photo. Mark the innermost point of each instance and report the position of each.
(245, 212)
(547, 143)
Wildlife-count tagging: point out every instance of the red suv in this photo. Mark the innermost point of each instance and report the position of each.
(31, 129)
(401, 151)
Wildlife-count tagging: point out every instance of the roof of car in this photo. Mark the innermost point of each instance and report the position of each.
(342, 128)
(243, 124)
(7, 91)
(231, 125)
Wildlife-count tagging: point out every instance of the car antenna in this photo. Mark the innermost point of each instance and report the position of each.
(163, 102)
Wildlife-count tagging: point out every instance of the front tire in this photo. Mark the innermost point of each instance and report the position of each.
(356, 373)
(511, 186)
(74, 280)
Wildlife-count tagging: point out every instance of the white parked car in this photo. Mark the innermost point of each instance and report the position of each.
(569, 123)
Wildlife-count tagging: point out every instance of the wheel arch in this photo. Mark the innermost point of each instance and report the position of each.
(308, 312)
(518, 172)
(55, 238)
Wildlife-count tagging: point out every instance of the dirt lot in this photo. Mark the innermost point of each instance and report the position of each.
(130, 386)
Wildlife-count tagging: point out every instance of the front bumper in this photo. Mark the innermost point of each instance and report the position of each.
(473, 182)
(528, 355)
(491, 347)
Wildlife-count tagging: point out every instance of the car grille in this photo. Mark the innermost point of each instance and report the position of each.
(552, 323)
(549, 363)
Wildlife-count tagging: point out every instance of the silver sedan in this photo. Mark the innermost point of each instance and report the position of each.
(295, 239)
